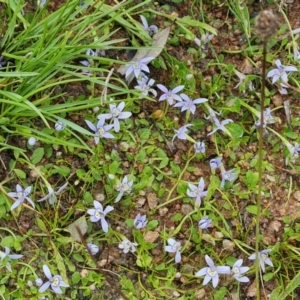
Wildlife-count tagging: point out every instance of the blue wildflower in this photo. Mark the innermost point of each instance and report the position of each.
(174, 247)
(211, 272)
(281, 72)
(98, 214)
(197, 192)
(123, 187)
(116, 113)
(181, 132)
(20, 195)
(55, 282)
(140, 221)
(170, 95)
(263, 258)
(188, 104)
(100, 130)
(149, 29)
(138, 66)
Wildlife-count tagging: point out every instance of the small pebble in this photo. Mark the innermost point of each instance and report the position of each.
(152, 200)
(296, 195)
(163, 211)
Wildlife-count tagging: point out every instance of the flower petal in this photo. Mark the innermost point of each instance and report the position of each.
(215, 280)
(202, 272)
(104, 224)
(91, 125)
(44, 287)
(47, 272)
(209, 261)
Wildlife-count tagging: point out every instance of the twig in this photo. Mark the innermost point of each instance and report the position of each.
(103, 98)
(3, 164)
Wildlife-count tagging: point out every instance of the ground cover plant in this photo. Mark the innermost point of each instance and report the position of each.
(149, 150)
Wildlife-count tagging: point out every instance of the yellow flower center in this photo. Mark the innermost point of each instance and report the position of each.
(115, 112)
(55, 282)
(98, 214)
(100, 131)
(211, 272)
(236, 271)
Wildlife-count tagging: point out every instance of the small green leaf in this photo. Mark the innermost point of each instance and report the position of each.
(113, 167)
(252, 209)
(7, 241)
(37, 155)
(62, 170)
(20, 173)
(144, 134)
(75, 277)
(177, 217)
(164, 162)
(152, 224)
(78, 257)
(291, 135)
(236, 130)
(268, 276)
(41, 224)
(220, 293)
(251, 179)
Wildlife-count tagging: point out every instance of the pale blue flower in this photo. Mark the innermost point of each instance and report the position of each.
(281, 72)
(268, 118)
(39, 282)
(211, 272)
(20, 195)
(174, 247)
(229, 175)
(59, 125)
(215, 163)
(294, 151)
(145, 87)
(238, 270)
(31, 141)
(203, 41)
(116, 113)
(296, 52)
(242, 78)
(140, 221)
(188, 104)
(149, 29)
(5, 254)
(93, 248)
(263, 258)
(204, 223)
(55, 282)
(100, 130)
(93, 53)
(138, 66)
(199, 147)
(170, 95)
(41, 3)
(282, 88)
(212, 114)
(220, 125)
(98, 214)
(127, 246)
(3, 63)
(52, 195)
(123, 188)
(181, 132)
(197, 192)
